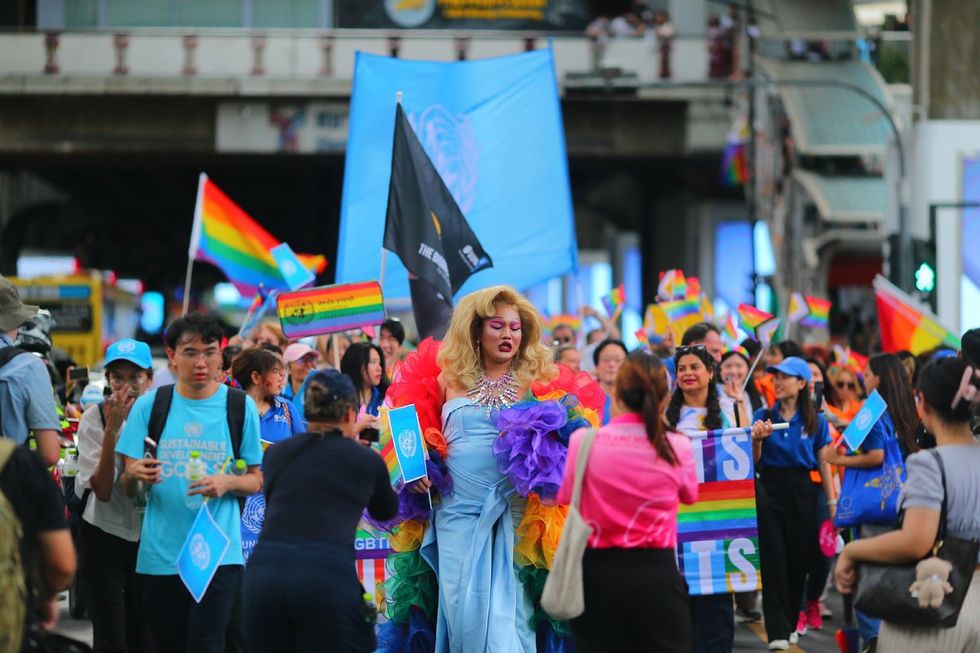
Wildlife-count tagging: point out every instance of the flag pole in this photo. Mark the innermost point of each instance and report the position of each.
(748, 377)
(187, 287)
(195, 241)
(336, 354)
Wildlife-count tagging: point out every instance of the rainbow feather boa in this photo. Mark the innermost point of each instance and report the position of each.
(531, 450)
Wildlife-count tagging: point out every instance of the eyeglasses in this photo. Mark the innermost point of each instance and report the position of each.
(850, 385)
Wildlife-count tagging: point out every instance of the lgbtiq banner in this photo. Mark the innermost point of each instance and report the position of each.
(717, 537)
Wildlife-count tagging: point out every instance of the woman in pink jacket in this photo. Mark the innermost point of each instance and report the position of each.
(635, 598)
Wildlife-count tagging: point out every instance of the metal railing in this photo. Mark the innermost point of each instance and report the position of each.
(158, 53)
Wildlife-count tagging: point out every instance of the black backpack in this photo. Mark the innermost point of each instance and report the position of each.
(235, 412)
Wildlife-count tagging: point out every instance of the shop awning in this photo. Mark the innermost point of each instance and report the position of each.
(847, 200)
(831, 120)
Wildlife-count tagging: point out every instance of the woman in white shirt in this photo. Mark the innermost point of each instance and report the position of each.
(110, 526)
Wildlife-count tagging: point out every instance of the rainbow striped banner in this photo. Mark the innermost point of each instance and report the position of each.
(717, 537)
(329, 309)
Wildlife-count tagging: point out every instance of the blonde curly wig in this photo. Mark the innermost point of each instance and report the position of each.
(459, 356)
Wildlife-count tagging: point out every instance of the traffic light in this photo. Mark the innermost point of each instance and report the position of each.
(924, 270)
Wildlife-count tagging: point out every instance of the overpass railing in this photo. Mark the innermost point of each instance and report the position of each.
(315, 54)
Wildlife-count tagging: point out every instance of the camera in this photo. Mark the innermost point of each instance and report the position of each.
(370, 435)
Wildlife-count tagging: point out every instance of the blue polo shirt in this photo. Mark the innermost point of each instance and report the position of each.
(792, 448)
(281, 421)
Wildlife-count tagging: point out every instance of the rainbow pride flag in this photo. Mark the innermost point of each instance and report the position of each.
(615, 300)
(228, 238)
(907, 325)
(798, 308)
(388, 449)
(717, 537)
(672, 285)
(682, 308)
(329, 309)
(642, 338)
(731, 328)
(752, 317)
(555, 321)
(693, 287)
(766, 331)
(819, 313)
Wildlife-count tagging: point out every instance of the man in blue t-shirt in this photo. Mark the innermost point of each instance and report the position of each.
(196, 422)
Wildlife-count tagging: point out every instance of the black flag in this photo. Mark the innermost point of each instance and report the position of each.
(424, 225)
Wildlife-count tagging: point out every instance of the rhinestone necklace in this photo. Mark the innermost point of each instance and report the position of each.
(495, 394)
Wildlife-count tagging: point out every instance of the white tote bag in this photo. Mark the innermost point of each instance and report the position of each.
(563, 597)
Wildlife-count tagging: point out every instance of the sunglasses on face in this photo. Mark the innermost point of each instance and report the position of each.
(850, 385)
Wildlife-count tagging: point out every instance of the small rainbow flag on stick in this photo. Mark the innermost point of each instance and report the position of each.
(757, 322)
(731, 328)
(682, 308)
(388, 448)
(642, 338)
(329, 309)
(819, 313)
(672, 285)
(615, 300)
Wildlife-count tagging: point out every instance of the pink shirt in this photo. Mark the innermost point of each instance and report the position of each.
(629, 493)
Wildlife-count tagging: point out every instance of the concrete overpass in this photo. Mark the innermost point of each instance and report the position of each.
(102, 134)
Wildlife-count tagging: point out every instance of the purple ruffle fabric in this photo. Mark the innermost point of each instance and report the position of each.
(416, 506)
(528, 451)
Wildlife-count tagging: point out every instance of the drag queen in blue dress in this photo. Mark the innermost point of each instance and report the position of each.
(503, 413)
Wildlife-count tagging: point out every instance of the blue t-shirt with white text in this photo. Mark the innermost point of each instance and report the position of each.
(192, 425)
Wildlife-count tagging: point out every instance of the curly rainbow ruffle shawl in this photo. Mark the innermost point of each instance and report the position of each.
(530, 450)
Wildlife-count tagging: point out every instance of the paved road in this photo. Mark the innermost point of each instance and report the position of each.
(748, 637)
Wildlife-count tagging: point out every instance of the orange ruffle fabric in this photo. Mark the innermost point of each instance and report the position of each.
(408, 536)
(536, 537)
(579, 384)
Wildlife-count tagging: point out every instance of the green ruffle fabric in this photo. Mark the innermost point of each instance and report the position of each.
(533, 579)
(412, 583)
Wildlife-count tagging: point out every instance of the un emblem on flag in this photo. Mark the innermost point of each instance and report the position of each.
(298, 312)
(200, 551)
(863, 419)
(407, 442)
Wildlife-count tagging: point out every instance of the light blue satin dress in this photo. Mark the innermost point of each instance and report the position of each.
(483, 607)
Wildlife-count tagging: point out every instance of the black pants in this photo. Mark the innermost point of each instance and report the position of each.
(785, 501)
(303, 595)
(616, 618)
(111, 589)
(178, 624)
(713, 619)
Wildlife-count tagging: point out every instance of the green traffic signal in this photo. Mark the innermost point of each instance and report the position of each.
(925, 278)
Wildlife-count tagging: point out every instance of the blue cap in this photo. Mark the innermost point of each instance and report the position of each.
(337, 384)
(793, 366)
(944, 353)
(133, 351)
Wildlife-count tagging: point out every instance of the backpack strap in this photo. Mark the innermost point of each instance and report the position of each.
(159, 412)
(8, 353)
(236, 419)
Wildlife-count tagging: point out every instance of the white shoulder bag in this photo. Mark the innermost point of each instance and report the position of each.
(563, 597)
